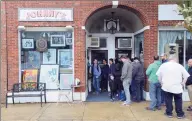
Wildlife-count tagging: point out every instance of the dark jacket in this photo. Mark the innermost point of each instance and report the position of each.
(112, 69)
(189, 80)
(105, 71)
(137, 74)
(117, 73)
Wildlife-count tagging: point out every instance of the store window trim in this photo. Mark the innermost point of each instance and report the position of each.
(41, 29)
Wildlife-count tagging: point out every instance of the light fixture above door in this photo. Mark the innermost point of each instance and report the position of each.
(112, 25)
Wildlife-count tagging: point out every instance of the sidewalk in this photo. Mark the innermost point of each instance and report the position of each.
(92, 111)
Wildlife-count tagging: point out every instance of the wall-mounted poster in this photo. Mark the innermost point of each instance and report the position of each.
(57, 41)
(32, 59)
(65, 58)
(49, 74)
(49, 57)
(27, 43)
(30, 76)
(69, 41)
(66, 80)
(68, 34)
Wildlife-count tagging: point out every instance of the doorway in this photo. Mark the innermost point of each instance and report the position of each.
(100, 55)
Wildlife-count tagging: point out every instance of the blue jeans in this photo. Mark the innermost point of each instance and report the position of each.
(96, 83)
(162, 97)
(137, 90)
(155, 95)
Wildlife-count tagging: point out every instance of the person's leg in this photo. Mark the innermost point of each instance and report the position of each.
(168, 102)
(158, 95)
(102, 83)
(133, 90)
(126, 89)
(94, 84)
(178, 105)
(98, 85)
(162, 97)
(141, 89)
(152, 93)
(189, 88)
(138, 95)
(106, 84)
(110, 86)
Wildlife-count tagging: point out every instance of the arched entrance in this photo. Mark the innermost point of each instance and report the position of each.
(128, 37)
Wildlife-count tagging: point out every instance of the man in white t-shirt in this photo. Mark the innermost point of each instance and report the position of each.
(173, 77)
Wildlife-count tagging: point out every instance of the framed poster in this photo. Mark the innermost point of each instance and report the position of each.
(27, 43)
(49, 74)
(49, 57)
(68, 34)
(69, 41)
(66, 80)
(57, 41)
(65, 58)
(32, 59)
(30, 76)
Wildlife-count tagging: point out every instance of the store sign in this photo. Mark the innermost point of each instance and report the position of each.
(45, 14)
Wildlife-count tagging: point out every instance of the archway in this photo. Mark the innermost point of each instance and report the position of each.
(131, 24)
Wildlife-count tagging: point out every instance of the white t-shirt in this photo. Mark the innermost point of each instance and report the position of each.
(172, 75)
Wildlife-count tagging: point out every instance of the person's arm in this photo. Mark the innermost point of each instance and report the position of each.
(113, 69)
(99, 70)
(90, 69)
(159, 75)
(124, 71)
(185, 75)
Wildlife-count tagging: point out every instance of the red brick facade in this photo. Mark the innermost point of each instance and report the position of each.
(146, 11)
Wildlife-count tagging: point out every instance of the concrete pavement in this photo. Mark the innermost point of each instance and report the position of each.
(88, 111)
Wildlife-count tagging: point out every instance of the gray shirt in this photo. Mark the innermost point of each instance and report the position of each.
(126, 71)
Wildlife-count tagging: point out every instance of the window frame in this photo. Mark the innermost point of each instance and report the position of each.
(42, 29)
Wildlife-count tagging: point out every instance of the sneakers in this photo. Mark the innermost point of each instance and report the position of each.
(181, 117)
(169, 116)
(151, 109)
(126, 104)
(178, 117)
(158, 108)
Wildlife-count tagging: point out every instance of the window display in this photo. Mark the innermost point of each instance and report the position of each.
(177, 37)
(48, 48)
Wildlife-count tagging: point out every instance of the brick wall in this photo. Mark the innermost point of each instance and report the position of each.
(146, 11)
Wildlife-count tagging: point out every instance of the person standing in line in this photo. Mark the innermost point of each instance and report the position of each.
(117, 76)
(96, 72)
(189, 83)
(111, 79)
(154, 85)
(137, 78)
(163, 60)
(126, 77)
(173, 77)
(104, 76)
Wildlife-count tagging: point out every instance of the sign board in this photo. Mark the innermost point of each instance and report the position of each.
(168, 12)
(45, 14)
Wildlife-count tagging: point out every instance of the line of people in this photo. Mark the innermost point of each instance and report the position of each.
(125, 79)
(167, 80)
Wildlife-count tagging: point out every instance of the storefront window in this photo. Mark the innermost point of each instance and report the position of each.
(138, 44)
(188, 47)
(59, 51)
(172, 38)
